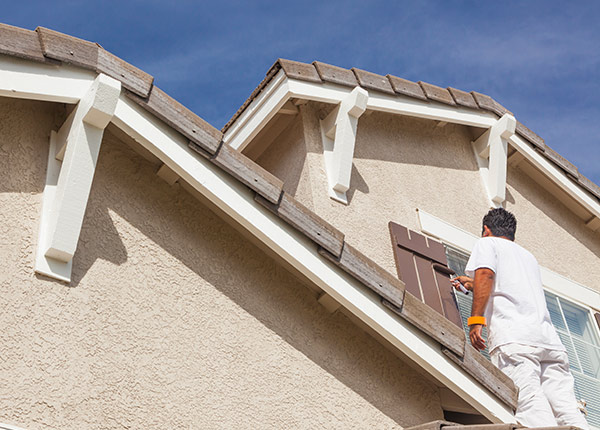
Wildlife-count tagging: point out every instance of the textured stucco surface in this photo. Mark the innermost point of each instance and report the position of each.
(402, 164)
(172, 319)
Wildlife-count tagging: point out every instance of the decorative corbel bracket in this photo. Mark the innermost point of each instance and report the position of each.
(338, 132)
(71, 165)
(491, 154)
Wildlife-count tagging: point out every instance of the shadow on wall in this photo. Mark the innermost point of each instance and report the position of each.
(171, 219)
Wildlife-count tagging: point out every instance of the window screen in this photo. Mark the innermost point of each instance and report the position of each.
(457, 261)
(578, 333)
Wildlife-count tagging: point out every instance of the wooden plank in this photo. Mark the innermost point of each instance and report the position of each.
(438, 94)
(431, 294)
(530, 136)
(488, 375)
(20, 43)
(301, 71)
(447, 297)
(373, 81)
(507, 426)
(416, 242)
(433, 425)
(180, 118)
(561, 162)
(406, 87)
(432, 323)
(335, 74)
(589, 185)
(131, 77)
(407, 272)
(463, 98)
(67, 48)
(369, 273)
(249, 173)
(308, 222)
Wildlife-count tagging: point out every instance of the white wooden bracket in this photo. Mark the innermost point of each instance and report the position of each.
(338, 131)
(71, 165)
(491, 153)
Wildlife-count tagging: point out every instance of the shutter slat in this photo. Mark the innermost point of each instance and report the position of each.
(416, 258)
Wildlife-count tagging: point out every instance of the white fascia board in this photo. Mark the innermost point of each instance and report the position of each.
(396, 104)
(555, 174)
(465, 241)
(238, 202)
(262, 109)
(36, 81)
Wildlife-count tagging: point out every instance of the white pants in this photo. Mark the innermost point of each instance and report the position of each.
(546, 394)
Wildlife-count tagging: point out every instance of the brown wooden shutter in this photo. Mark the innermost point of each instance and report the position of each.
(423, 267)
(597, 315)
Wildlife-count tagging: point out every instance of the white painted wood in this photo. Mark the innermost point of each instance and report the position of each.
(515, 159)
(593, 224)
(465, 241)
(259, 113)
(238, 202)
(555, 174)
(83, 140)
(493, 146)
(43, 265)
(36, 81)
(288, 108)
(169, 176)
(338, 132)
(328, 303)
(9, 427)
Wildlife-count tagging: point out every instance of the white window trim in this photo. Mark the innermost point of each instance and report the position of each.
(553, 282)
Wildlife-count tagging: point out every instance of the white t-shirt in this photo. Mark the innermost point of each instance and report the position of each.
(516, 311)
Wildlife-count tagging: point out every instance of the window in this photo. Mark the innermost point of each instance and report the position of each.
(578, 333)
(576, 328)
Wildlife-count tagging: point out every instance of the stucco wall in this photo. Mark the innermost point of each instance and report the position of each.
(402, 164)
(172, 319)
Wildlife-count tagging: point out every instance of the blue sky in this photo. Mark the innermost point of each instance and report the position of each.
(540, 59)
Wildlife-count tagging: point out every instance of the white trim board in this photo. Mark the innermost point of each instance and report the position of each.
(465, 241)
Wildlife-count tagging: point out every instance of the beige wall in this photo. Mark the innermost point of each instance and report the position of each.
(402, 164)
(172, 319)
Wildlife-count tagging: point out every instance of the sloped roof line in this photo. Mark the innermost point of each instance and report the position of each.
(48, 46)
(319, 72)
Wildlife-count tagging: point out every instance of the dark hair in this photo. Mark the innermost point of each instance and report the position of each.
(501, 223)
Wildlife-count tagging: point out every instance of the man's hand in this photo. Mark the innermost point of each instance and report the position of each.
(476, 337)
(465, 280)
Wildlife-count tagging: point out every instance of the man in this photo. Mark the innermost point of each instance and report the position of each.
(508, 297)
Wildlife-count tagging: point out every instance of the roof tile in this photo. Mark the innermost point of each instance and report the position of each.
(373, 81)
(20, 43)
(589, 185)
(438, 94)
(131, 77)
(487, 103)
(406, 87)
(335, 74)
(308, 222)
(180, 118)
(67, 48)
(249, 173)
(530, 136)
(561, 162)
(369, 273)
(301, 71)
(463, 98)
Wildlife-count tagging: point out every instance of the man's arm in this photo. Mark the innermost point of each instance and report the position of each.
(482, 288)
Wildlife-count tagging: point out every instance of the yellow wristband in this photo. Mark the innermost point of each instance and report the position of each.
(477, 320)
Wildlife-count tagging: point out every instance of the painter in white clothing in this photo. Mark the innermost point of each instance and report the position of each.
(509, 299)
